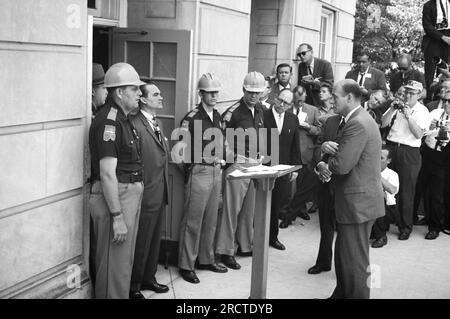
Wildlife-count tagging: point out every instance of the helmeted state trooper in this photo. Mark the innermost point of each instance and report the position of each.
(235, 232)
(117, 186)
(203, 184)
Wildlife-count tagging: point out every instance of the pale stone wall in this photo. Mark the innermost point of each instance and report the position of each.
(42, 137)
(221, 37)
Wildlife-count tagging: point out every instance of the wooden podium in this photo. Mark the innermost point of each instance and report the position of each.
(264, 183)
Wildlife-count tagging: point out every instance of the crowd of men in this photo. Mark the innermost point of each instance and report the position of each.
(368, 151)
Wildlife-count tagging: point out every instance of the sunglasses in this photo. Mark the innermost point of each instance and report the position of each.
(445, 100)
(303, 53)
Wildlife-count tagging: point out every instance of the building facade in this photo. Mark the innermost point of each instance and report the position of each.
(46, 52)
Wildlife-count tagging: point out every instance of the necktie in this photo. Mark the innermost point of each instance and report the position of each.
(341, 125)
(309, 70)
(157, 130)
(361, 80)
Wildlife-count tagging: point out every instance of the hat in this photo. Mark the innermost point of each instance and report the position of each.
(414, 85)
(98, 74)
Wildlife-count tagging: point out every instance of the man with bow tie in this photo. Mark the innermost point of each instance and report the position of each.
(155, 198)
(368, 78)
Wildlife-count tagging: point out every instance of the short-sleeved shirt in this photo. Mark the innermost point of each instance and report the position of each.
(196, 117)
(392, 178)
(240, 115)
(112, 135)
(399, 79)
(400, 132)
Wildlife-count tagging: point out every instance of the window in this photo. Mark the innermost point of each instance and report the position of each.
(326, 36)
(92, 4)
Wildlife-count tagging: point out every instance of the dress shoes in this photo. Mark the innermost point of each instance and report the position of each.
(277, 245)
(403, 236)
(313, 209)
(230, 262)
(154, 286)
(136, 295)
(304, 215)
(242, 254)
(189, 276)
(380, 242)
(446, 231)
(285, 223)
(421, 222)
(213, 267)
(314, 270)
(433, 234)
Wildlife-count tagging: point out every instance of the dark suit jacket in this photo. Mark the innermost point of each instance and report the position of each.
(433, 105)
(288, 140)
(322, 69)
(356, 171)
(328, 133)
(155, 157)
(377, 81)
(432, 35)
(308, 138)
(275, 92)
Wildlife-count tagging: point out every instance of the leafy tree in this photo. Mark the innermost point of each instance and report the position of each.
(386, 28)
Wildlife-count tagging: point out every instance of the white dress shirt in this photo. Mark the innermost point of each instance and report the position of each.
(279, 119)
(400, 132)
(392, 178)
(430, 139)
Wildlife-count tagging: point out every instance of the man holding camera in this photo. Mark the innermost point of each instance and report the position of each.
(407, 121)
(436, 41)
(434, 155)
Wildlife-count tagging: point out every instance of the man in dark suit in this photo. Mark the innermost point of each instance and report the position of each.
(284, 74)
(155, 157)
(312, 73)
(368, 78)
(308, 118)
(327, 219)
(355, 167)
(289, 153)
(436, 41)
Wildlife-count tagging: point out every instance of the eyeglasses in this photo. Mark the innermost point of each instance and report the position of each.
(445, 101)
(303, 53)
(281, 102)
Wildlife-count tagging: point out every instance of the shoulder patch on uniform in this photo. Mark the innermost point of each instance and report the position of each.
(185, 124)
(109, 133)
(192, 113)
(229, 112)
(112, 114)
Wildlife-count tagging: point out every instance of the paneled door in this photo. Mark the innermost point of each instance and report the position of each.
(164, 57)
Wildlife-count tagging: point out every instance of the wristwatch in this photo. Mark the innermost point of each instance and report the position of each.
(116, 214)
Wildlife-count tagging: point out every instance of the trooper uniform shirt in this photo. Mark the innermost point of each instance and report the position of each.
(199, 114)
(112, 135)
(239, 115)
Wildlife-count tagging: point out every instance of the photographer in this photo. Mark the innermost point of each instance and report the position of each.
(407, 121)
(433, 156)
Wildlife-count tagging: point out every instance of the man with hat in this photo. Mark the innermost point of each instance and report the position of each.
(406, 123)
(236, 221)
(116, 175)
(99, 91)
(203, 184)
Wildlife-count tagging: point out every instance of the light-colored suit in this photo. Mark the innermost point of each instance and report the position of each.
(356, 181)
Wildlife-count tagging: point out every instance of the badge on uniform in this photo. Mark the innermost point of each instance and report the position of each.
(109, 133)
